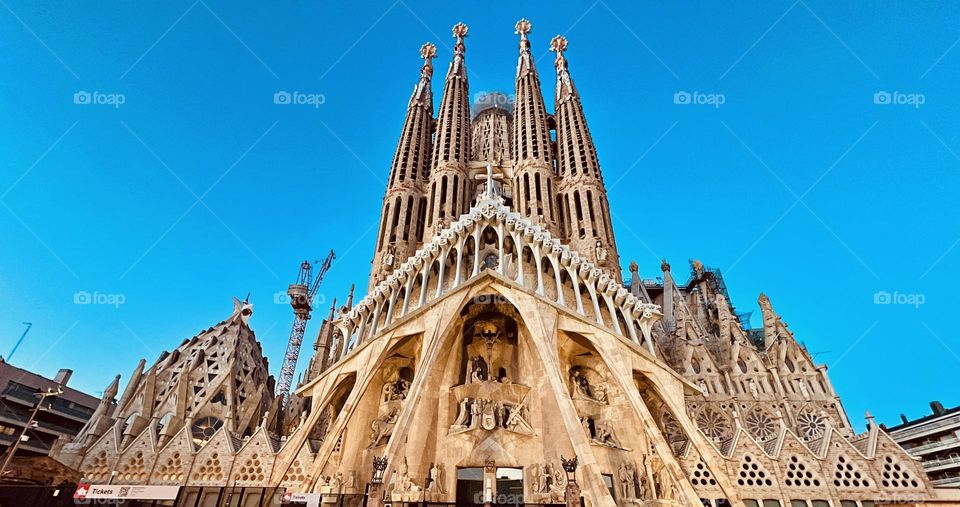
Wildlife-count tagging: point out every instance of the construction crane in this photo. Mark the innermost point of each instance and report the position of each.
(301, 299)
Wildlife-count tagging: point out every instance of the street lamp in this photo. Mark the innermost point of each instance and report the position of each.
(570, 467)
(379, 467)
(30, 424)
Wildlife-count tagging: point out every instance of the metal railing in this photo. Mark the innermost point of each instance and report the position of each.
(908, 433)
(946, 444)
(939, 463)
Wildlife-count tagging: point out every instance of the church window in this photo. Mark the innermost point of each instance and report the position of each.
(593, 220)
(204, 429)
(443, 197)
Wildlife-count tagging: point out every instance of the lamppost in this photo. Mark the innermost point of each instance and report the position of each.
(379, 468)
(572, 492)
(16, 443)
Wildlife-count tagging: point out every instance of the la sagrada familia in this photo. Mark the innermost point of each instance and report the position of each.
(498, 341)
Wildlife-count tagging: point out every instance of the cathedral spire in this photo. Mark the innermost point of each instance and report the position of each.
(584, 197)
(404, 206)
(449, 177)
(533, 178)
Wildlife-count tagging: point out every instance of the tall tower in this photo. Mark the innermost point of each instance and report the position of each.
(533, 183)
(404, 205)
(449, 179)
(582, 194)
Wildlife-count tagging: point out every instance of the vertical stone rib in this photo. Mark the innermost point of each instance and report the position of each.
(533, 155)
(398, 236)
(581, 182)
(449, 176)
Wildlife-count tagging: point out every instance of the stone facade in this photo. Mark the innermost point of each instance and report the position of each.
(497, 341)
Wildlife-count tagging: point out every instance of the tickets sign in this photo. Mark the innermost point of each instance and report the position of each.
(121, 491)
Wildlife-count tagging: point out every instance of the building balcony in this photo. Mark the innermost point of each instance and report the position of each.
(952, 422)
(938, 446)
(17, 419)
(948, 482)
(935, 465)
(57, 406)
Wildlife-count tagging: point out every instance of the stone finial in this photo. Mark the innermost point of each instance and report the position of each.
(697, 266)
(634, 268)
(523, 27)
(460, 30)
(558, 44)
(664, 266)
(428, 51)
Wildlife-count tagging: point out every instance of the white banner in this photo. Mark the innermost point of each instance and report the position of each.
(120, 491)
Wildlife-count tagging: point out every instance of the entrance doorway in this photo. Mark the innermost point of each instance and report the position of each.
(501, 485)
(469, 486)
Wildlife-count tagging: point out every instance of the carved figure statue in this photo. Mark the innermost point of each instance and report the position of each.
(605, 434)
(600, 252)
(386, 392)
(585, 422)
(804, 390)
(628, 488)
(754, 389)
(703, 387)
(462, 414)
(382, 426)
(400, 388)
(389, 257)
(580, 382)
(600, 392)
(337, 482)
(436, 477)
(476, 409)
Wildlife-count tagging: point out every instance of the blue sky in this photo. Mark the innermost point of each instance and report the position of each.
(198, 188)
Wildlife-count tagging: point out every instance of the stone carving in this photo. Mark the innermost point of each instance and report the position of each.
(600, 252)
(604, 435)
(548, 482)
(383, 426)
(435, 481)
(588, 384)
(754, 389)
(491, 415)
(462, 415)
(626, 476)
(478, 370)
(804, 390)
(406, 489)
(389, 257)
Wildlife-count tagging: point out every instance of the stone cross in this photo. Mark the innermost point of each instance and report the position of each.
(492, 191)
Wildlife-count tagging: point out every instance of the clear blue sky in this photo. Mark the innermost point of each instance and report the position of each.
(798, 185)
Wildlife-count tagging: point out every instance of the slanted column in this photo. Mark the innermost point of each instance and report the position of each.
(476, 251)
(457, 279)
(556, 276)
(443, 271)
